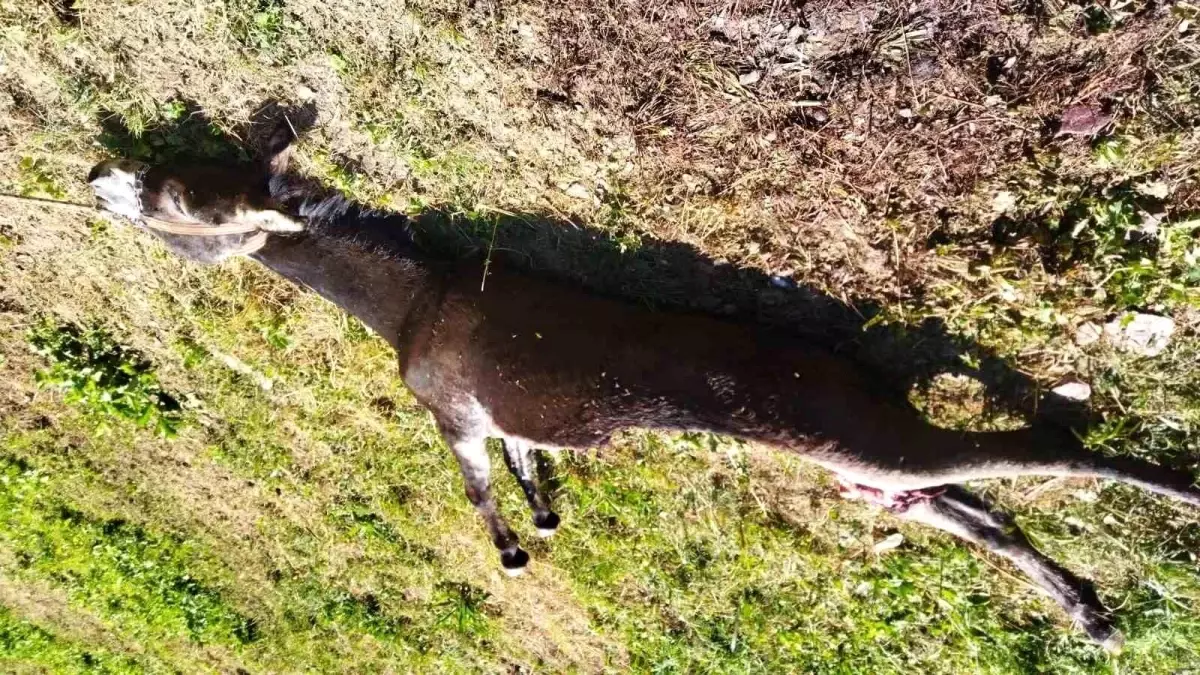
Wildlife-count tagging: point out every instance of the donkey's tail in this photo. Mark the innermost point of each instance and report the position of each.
(1056, 451)
(1160, 479)
(1039, 451)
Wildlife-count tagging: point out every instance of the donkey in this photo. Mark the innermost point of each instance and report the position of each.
(543, 365)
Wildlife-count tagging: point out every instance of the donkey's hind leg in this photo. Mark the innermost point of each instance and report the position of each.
(965, 515)
(470, 448)
(522, 462)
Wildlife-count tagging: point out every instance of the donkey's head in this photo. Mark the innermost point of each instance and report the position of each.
(203, 212)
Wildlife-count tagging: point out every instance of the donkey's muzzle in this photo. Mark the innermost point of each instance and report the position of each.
(118, 186)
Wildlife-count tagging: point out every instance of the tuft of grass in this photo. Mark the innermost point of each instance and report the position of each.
(257, 25)
(36, 179)
(342, 177)
(165, 132)
(462, 606)
(107, 380)
(27, 646)
(132, 576)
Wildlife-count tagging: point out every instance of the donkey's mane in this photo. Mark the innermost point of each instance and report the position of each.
(333, 215)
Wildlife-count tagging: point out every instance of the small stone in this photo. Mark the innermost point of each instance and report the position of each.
(578, 191)
(752, 77)
(1154, 188)
(1141, 334)
(892, 541)
(1082, 120)
(1073, 389)
(1088, 333)
(1151, 223)
(1004, 202)
(1077, 524)
(305, 94)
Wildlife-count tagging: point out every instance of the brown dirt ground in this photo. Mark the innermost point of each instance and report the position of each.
(846, 135)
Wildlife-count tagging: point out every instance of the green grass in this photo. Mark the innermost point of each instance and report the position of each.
(134, 577)
(669, 547)
(205, 469)
(37, 180)
(259, 25)
(103, 377)
(705, 564)
(25, 646)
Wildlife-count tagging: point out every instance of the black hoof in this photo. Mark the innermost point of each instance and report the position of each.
(546, 523)
(1102, 631)
(514, 561)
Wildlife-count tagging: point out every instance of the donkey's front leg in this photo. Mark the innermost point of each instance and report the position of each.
(522, 462)
(470, 447)
(965, 515)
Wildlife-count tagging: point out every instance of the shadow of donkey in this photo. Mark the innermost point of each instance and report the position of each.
(658, 274)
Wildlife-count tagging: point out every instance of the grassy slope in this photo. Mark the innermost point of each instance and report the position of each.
(306, 516)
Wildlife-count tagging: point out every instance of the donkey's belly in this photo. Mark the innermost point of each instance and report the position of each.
(577, 412)
(573, 423)
(566, 369)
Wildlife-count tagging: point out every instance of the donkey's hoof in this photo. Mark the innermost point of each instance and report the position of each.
(1100, 628)
(1115, 643)
(546, 524)
(514, 561)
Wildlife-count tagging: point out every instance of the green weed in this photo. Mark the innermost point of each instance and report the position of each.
(26, 645)
(257, 25)
(105, 379)
(1109, 16)
(273, 328)
(462, 606)
(36, 179)
(128, 574)
(1143, 260)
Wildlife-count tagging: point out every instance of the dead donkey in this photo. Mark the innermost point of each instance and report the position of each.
(542, 365)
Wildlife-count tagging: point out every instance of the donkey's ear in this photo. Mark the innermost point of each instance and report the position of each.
(278, 152)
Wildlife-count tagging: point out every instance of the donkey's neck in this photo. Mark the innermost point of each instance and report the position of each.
(377, 288)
